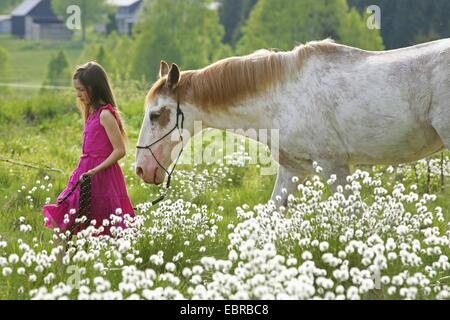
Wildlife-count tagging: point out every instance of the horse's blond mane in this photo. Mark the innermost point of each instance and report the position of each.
(227, 82)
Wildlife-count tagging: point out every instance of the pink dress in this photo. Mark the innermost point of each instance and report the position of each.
(108, 190)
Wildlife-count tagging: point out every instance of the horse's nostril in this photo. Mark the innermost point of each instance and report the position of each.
(139, 172)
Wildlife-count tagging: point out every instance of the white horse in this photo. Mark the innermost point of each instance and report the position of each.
(332, 104)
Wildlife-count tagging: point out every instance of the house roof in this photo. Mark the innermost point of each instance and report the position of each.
(129, 12)
(122, 3)
(4, 18)
(25, 7)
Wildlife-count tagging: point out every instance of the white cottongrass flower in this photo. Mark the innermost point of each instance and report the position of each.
(306, 255)
(13, 258)
(186, 272)
(324, 246)
(170, 267)
(6, 271)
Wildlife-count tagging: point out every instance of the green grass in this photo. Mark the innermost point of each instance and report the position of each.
(29, 59)
(46, 131)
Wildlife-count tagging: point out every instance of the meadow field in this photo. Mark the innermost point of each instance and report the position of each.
(29, 59)
(216, 236)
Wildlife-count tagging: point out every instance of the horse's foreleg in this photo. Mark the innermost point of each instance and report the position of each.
(284, 186)
(340, 169)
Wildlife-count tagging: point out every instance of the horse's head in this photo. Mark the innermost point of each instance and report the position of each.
(160, 118)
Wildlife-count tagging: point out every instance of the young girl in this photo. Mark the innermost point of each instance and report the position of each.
(103, 146)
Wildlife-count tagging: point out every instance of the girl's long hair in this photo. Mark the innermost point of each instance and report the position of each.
(95, 80)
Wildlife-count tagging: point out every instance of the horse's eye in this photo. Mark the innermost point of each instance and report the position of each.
(154, 116)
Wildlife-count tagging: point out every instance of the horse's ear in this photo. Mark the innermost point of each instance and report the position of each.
(174, 76)
(163, 69)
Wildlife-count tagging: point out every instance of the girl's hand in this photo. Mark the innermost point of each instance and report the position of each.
(89, 173)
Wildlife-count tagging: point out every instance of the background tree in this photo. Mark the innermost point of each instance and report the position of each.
(4, 63)
(58, 72)
(6, 6)
(353, 31)
(105, 60)
(111, 26)
(110, 52)
(282, 24)
(233, 14)
(187, 32)
(121, 48)
(408, 22)
(91, 11)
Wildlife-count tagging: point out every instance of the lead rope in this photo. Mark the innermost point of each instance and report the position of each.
(84, 206)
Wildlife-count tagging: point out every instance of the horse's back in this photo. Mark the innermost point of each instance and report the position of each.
(379, 103)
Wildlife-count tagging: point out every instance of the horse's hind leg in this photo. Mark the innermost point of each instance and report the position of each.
(439, 113)
(440, 120)
(444, 134)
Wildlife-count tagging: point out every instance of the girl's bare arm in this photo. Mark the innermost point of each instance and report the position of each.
(111, 126)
